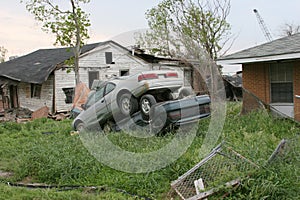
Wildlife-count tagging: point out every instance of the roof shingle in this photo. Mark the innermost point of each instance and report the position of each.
(38, 65)
(285, 45)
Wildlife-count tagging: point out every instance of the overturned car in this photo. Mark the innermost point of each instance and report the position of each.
(137, 99)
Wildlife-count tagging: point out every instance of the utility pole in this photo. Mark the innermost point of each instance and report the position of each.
(263, 26)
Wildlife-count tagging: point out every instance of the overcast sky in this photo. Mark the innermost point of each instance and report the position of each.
(20, 34)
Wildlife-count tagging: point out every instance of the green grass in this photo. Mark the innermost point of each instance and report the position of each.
(60, 159)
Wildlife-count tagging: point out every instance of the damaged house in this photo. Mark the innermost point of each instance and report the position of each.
(42, 78)
(271, 75)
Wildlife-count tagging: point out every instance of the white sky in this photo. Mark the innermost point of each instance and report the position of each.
(20, 34)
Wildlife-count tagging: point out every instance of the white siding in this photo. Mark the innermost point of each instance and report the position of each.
(123, 60)
(63, 80)
(95, 61)
(91, 61)
(24, 95)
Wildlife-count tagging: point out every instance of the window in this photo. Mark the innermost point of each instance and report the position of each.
(109, 87)
(93, 76)
(36, 90)
(108, 58)
(281, 75)
(69, 92)
(124, 72)
(94, 96)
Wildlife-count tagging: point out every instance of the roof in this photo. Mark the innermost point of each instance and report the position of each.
(38, 65)
(235, 80)
(280, 49)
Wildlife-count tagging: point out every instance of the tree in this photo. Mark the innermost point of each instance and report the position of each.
(202, 22)
(289, 29)
(70, 26)
(3, 52)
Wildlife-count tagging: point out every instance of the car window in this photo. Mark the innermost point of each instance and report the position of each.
(94, 96)
(109, 87)
(99, 94)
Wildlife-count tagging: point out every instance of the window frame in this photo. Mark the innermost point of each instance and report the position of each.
(109, 58)
(91, 76)
(35, 91)
(281, 74)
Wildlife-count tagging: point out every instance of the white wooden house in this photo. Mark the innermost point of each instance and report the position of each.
(43, 80)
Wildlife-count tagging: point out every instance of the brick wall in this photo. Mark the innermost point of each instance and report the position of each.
(257, 87)
(297, 90)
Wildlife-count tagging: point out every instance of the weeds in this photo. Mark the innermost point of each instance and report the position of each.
(44, 151)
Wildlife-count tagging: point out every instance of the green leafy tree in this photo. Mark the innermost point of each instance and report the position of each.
(3, 52)
(70, 26)
(178, 24)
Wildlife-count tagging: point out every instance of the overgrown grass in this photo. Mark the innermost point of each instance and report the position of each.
(43, 151)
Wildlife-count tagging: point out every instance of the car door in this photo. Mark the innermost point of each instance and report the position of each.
(103, 105)
(100, 104)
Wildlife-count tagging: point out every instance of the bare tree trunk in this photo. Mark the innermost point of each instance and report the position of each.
(77, 48)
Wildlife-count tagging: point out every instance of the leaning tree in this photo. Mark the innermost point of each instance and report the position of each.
(69, 25)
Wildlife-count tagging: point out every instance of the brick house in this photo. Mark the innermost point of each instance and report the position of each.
(271, 75)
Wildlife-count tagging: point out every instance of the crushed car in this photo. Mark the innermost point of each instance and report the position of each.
(121, 97)
(171, 114)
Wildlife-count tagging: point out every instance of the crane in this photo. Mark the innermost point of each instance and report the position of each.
(263, 26)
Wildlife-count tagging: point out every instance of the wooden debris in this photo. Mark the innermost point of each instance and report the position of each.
(40, 113)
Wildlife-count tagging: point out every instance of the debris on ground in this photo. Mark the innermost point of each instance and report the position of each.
(5, 174)
(40, 113)
(60, 116)
(74, 133)
(16, 115)
(225, 168)
(23, 115)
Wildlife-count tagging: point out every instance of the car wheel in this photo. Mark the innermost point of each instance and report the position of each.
(79, 126)
(184, 92)
(147, 101)
(127, 104)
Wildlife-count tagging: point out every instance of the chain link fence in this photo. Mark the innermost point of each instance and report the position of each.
(222, 167)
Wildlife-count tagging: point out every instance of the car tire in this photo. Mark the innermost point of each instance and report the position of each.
(79, 126)
(185, 92)
(146, 102)
(128, 104)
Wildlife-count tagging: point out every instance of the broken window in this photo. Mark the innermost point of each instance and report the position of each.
(36, 90)
(108, 58)
(93, 75)
(69, 92)
(124, 72)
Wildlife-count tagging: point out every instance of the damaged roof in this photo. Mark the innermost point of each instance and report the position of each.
(38, 65)
(235, 80)
(280, 49)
